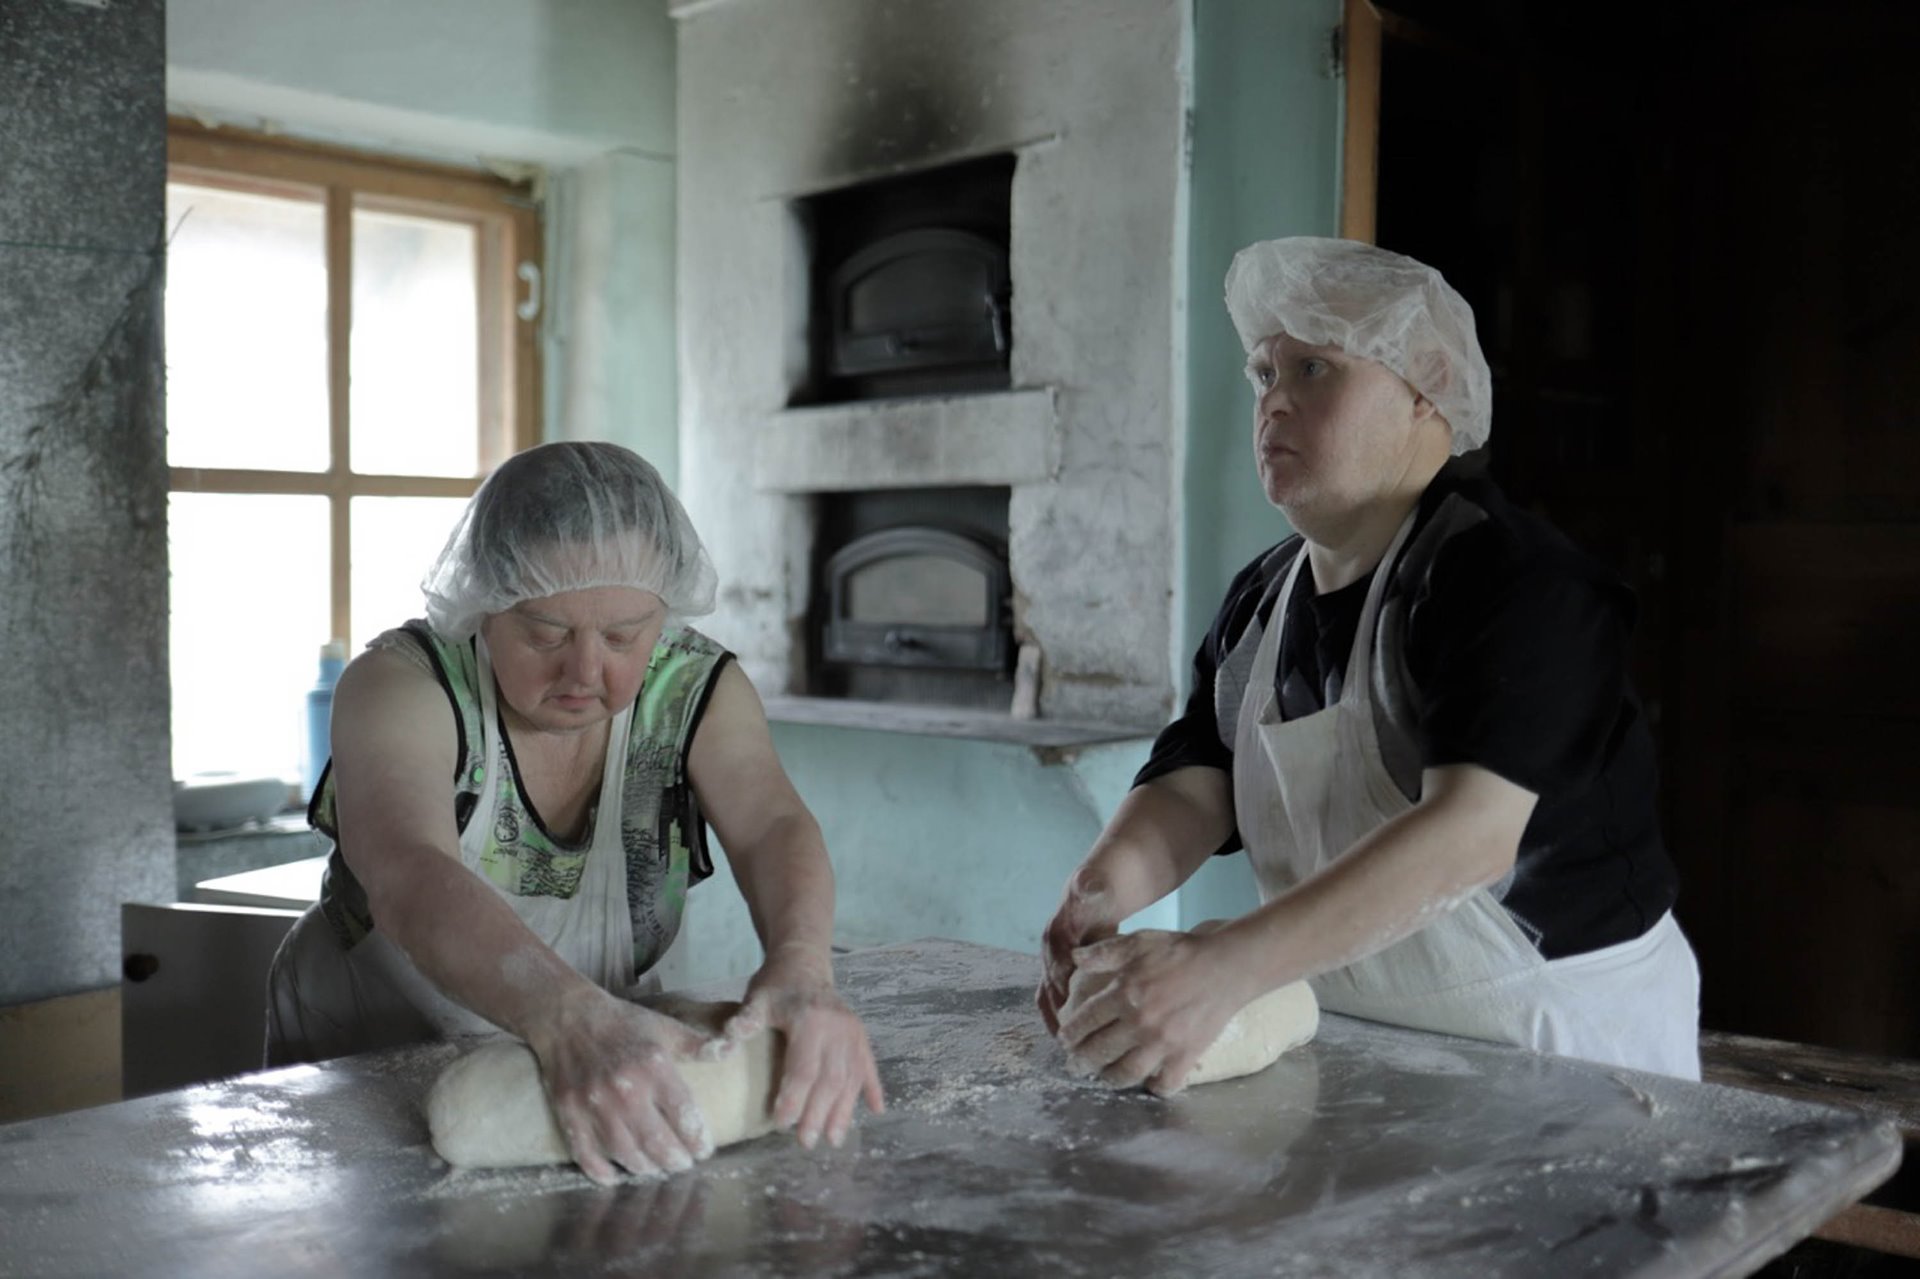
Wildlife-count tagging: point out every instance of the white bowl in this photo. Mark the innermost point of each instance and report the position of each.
(215, 801)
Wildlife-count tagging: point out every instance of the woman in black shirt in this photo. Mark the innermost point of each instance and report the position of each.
(1414, 715)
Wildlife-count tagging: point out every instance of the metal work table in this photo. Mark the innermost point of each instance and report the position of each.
(1371, 1151)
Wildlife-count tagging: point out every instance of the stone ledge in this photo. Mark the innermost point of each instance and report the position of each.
(949, 721)
(997, 437)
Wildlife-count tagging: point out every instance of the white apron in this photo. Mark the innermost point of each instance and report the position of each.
(325, 1003)
(1306, 790)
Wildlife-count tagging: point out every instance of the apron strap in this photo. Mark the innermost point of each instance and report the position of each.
(1266, 660)
(1359, 677)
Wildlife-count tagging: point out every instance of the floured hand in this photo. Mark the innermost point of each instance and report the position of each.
(1143, 1007)
(1084, 917)
(608, 1069)
(829, 1064)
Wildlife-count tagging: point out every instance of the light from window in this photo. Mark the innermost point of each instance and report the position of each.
(246, 330)
(416, 346)
(395, 539)
(249, 616)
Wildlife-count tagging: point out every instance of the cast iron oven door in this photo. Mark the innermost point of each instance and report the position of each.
(919, 596)
(920, 300)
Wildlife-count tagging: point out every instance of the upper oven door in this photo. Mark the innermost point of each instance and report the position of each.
(917, 301)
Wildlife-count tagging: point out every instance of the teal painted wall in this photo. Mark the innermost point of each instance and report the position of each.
(535, 80)
(1266, 163)
(930, 837)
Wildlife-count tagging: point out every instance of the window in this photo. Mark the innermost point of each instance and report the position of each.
(351, 344)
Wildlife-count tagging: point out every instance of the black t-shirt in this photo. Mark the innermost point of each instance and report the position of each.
(1503, 646)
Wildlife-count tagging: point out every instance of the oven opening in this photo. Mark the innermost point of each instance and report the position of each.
(909, 285)
(912, 598)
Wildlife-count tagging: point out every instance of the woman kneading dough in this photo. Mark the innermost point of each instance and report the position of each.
(1415, 716)
(518, 799)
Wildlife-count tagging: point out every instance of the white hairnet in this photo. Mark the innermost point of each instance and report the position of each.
(1371, 303)
(567, 516)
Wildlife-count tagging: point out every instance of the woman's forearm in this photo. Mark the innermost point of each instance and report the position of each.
(469, 943)
(787, 881)
(1388, 885)
(1159, 836)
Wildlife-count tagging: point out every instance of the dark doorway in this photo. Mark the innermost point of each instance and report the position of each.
(1692, 236)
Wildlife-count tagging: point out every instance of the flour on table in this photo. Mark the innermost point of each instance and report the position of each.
(489, 1110)
(1252, 1040)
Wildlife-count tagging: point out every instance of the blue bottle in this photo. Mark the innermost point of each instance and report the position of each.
(333, 660)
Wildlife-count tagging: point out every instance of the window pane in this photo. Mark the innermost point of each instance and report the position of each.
(416, 346)
(926, 589)
(246, 330)
(249, 602)
(395, 539)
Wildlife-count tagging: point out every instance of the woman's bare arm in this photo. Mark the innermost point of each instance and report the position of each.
(774, 847)
(394, 751)
(1175, 991)
(1160, 835)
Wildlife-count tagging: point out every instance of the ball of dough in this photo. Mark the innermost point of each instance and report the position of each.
(489, 1110)
(1251, 1041)
(1270, 1025)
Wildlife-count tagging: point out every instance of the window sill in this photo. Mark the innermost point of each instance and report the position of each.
(279, 824)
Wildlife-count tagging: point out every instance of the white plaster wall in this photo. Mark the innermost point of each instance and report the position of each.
(581, 89)
(779, 99)
(609, 338)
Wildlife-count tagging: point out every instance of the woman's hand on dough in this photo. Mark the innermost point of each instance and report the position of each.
(1146, 1005)
(828, 1064)
(608, 1069)
(1083, 918)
